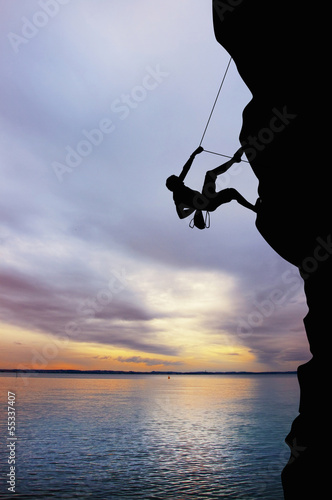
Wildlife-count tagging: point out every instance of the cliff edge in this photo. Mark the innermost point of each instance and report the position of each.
(281, 52)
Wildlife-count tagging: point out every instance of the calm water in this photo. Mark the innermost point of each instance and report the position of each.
(147, 437)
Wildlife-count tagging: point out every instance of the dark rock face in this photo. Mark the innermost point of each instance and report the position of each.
(281, 54)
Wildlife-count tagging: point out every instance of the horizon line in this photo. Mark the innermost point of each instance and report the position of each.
(152, 372)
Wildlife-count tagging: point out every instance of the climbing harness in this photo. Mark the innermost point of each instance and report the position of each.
(199, 221)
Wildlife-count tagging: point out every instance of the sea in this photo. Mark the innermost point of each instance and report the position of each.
(145, 437)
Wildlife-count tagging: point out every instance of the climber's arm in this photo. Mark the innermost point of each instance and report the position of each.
(187, 166)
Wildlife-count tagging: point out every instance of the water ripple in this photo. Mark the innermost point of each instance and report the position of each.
(150, 438)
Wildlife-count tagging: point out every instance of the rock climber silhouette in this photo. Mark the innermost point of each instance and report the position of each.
(187, 200)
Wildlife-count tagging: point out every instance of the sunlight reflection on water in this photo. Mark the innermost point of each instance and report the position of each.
(188, 437)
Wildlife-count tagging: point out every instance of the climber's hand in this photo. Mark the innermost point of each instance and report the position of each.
(198, 150)
(237, 155)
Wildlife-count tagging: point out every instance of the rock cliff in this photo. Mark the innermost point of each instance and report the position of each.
(280, 50)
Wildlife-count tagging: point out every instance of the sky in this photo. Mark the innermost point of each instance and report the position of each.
(100, 102)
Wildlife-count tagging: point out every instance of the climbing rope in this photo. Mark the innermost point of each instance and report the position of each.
(211, 113)
(219, 154)
(216, 99)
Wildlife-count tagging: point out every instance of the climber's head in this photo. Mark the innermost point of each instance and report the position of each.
(173, 182)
